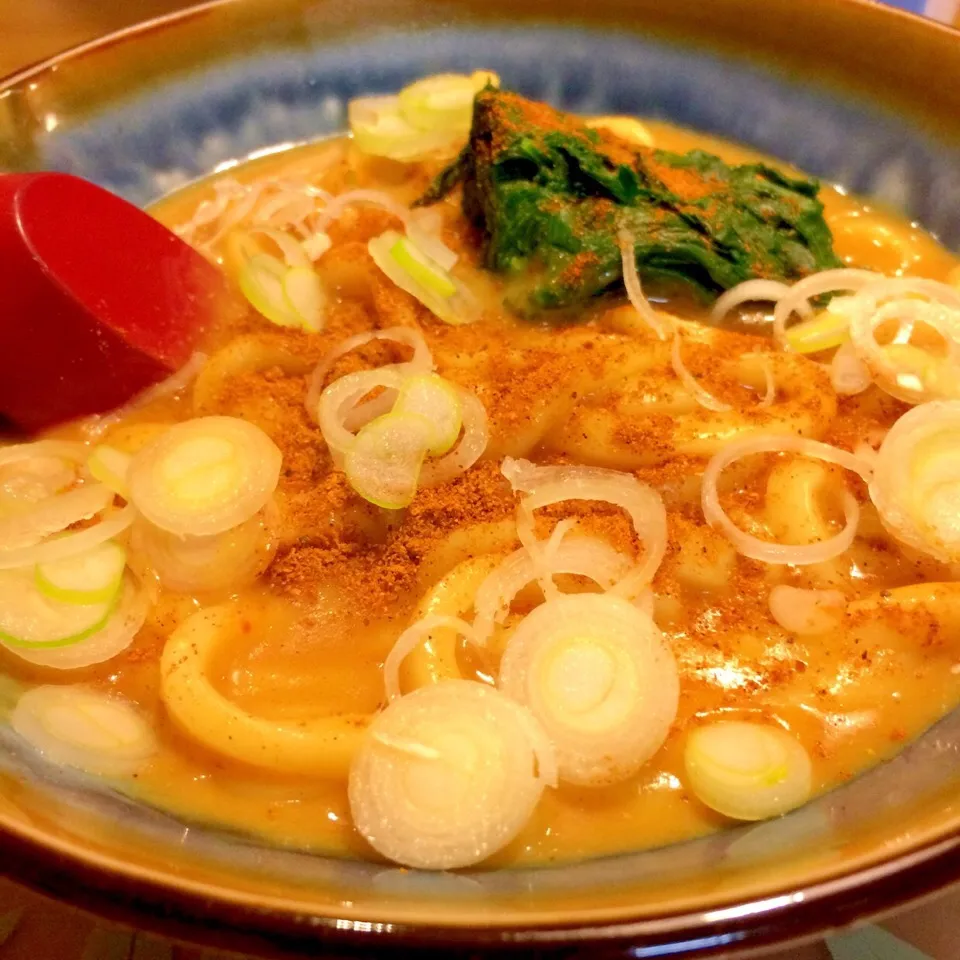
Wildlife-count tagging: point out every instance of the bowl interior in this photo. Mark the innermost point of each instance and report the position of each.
(156, 108)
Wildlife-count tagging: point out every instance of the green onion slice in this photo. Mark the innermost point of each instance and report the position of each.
(438, 402)
(383, 464)
(205, 476)
(110, 466)
(80, 727)
(444, 101)
(289, 296)
(828, 329)
(747, 771)
(87, 578)
(380, 130)
(422, 277)
(29, 619)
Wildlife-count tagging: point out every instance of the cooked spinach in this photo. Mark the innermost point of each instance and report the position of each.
(550, 195)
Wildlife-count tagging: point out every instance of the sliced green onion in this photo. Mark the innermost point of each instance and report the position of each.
(380, 130)
(91, 577)
(383, 464)
(288, 294)
(69, 544)
(205, 476)
(599, 677)
(828, 329)
(448, 775)
(51, 515)
(747, 771)
(424, 271)
(916, 480)
(219, 563)
(303, 292)
(31, 472)
(112, 638)
(422, 277)
(110, 467)
(80, 727)
(261, 282)
(438, 401)
(30, 619)
(444, 101)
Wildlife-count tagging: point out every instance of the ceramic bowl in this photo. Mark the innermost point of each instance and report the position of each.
(847, 90)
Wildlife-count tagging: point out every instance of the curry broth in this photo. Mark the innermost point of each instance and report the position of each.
(310, 645)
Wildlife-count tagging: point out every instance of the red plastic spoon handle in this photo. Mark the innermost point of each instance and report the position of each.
(97, 299)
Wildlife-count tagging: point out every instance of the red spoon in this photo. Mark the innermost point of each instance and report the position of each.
(97, 299)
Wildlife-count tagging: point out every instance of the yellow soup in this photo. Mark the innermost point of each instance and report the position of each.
(293, 648)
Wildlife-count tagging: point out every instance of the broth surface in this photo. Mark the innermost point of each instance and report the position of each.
(346, 576)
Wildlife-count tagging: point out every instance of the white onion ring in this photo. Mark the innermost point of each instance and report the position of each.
(209, 211)
(51, 515)
(889, 288)
(239, 213)
(827, 281)
(468, 451)
(757, 549)
(339, 399)
(554, 484)
(748, 292)
(689, 381)
(863, 326)
(421, 362)
(32, 472)
(60, 449)
(293, 253)
(631, 281)
(577, 556)
(544, 554)
(70, 545)
(411, 638)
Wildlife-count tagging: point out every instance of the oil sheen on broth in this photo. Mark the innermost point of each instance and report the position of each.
(339, 578)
